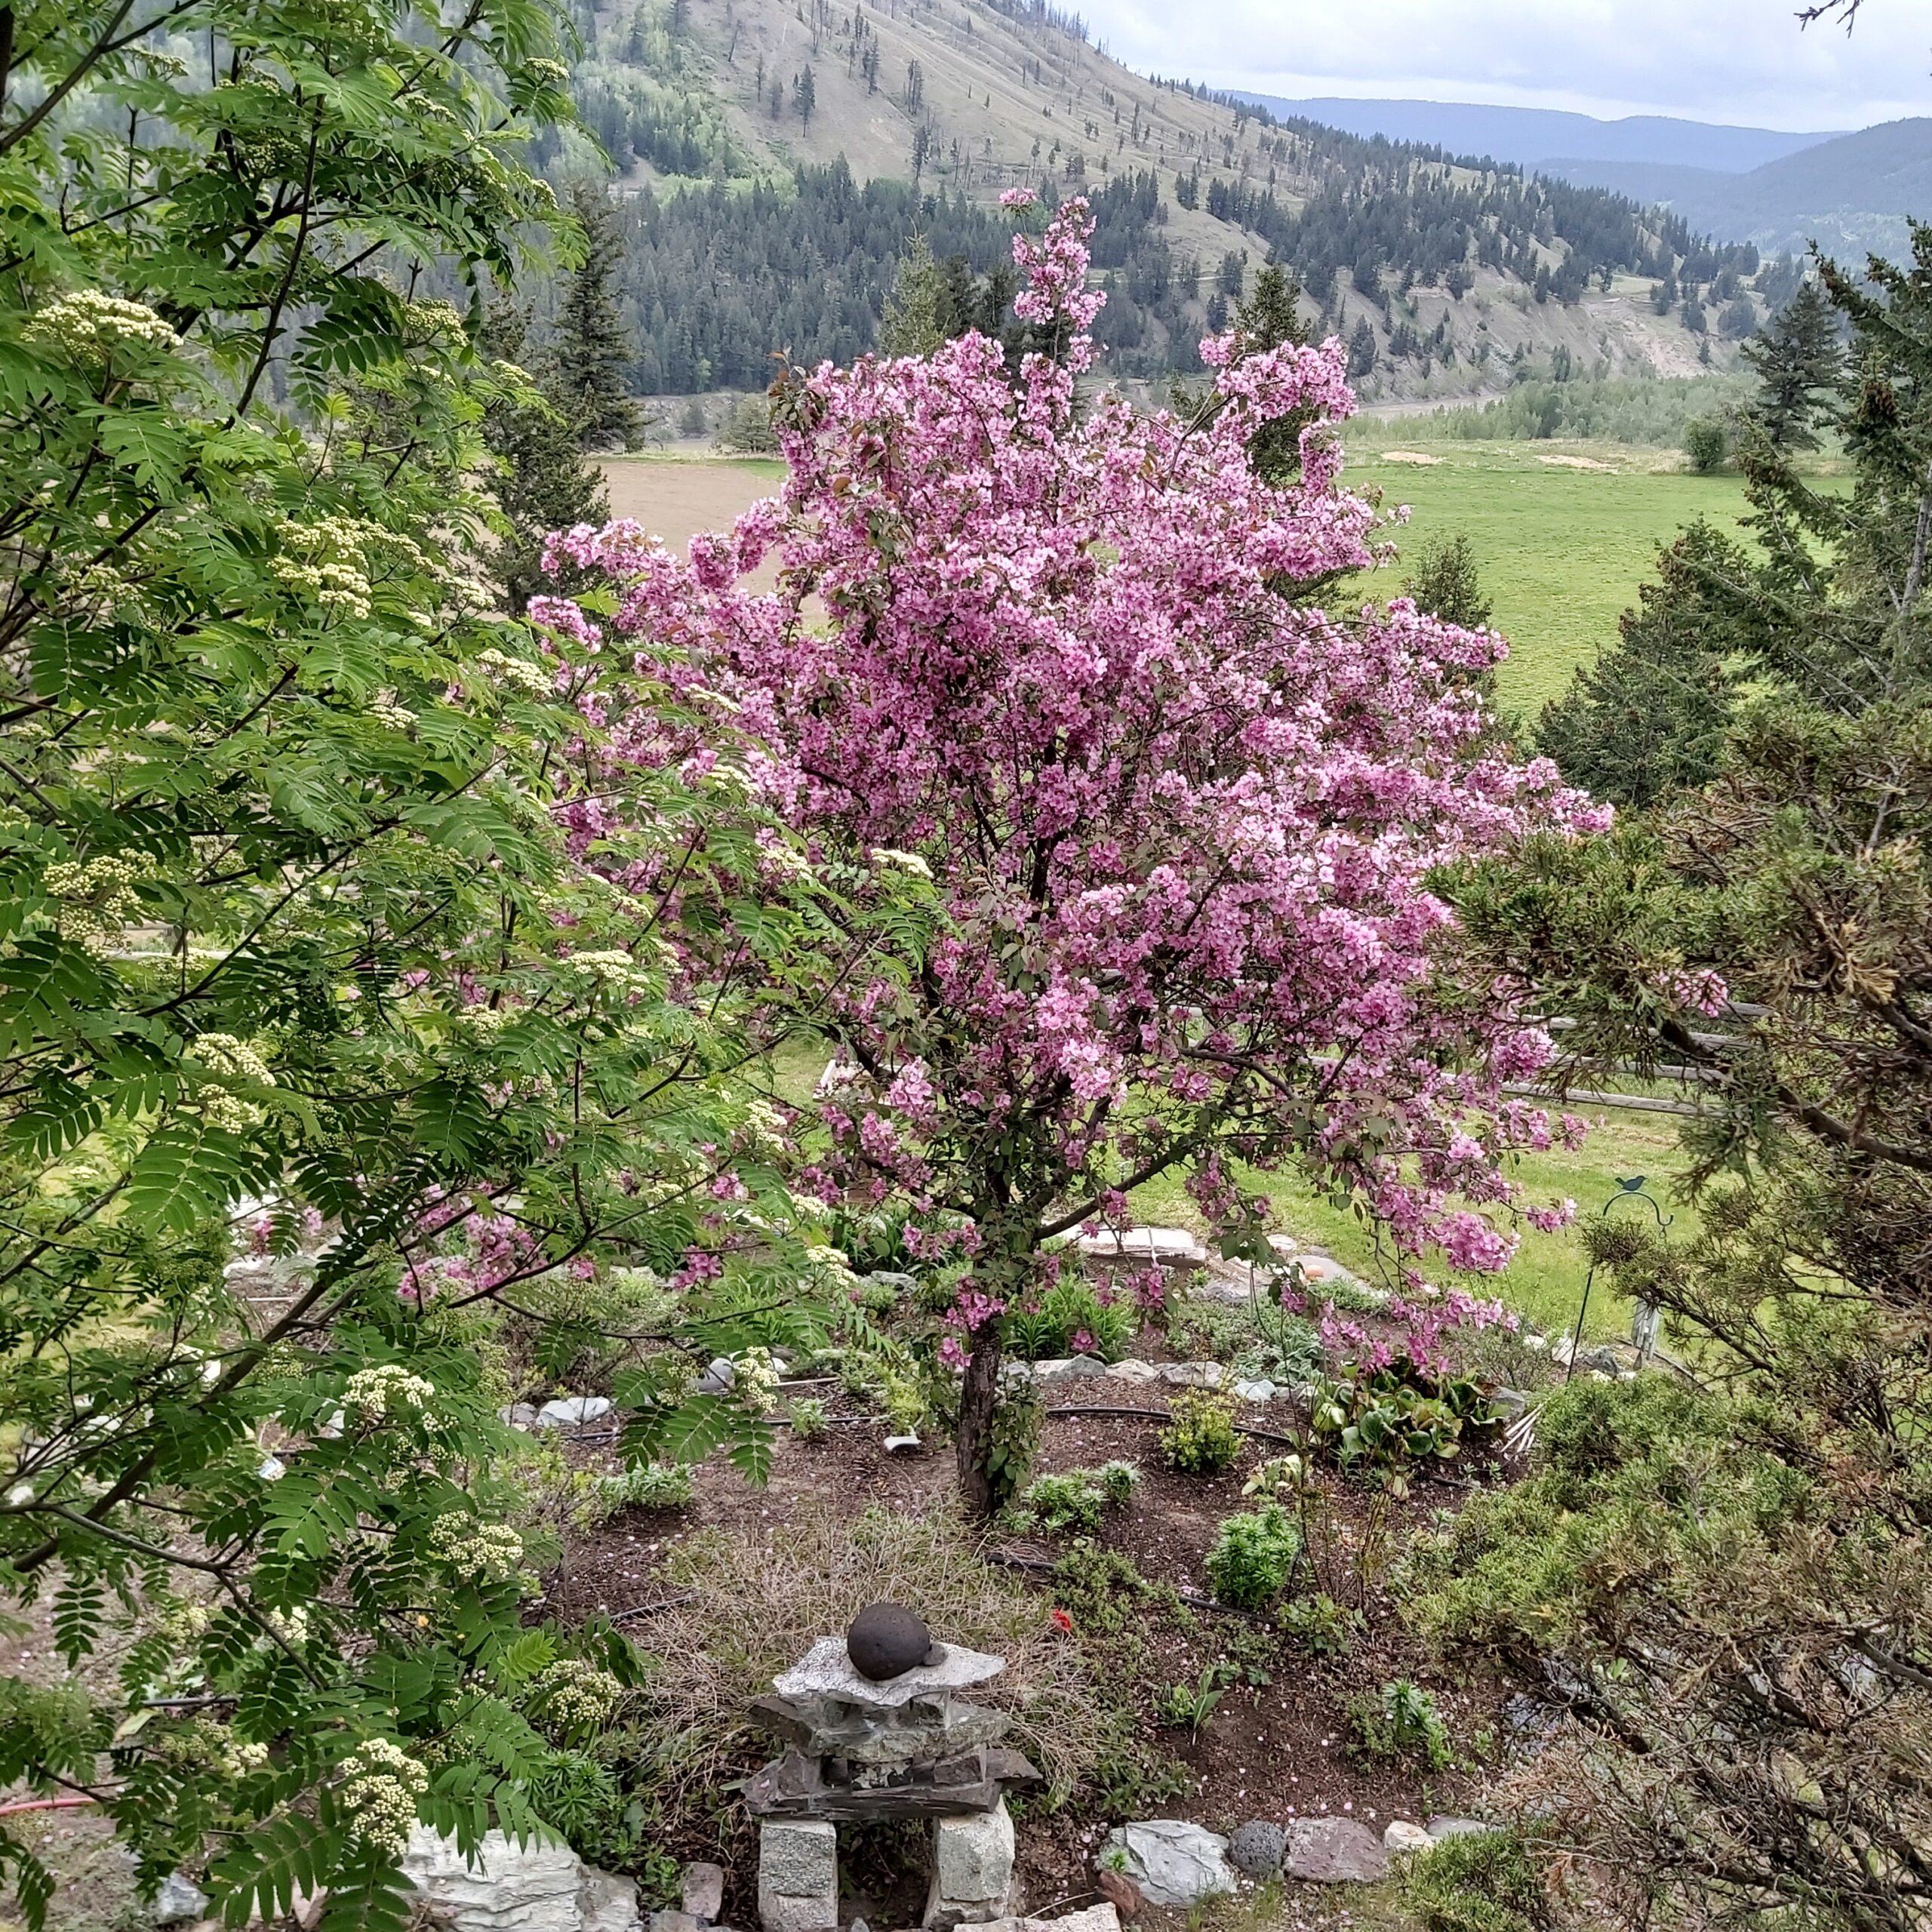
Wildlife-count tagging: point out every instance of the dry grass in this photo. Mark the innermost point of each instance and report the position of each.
(760, 1601)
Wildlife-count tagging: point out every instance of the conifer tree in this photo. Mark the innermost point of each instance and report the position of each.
(593, 349)
(545, 484)
(1267, 319)
(1797, 358)
(921, 312)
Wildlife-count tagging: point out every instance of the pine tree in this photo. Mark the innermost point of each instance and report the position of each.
(593, 350)
(1268, 318)
(545, 484)
(1445, 583)
(1361, 351)
(1797, 357)
(805, 95)
(921, 311)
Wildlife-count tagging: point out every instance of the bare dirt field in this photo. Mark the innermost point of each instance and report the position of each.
(674, 497)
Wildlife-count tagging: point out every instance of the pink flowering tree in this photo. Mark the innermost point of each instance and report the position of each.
(1044, 654)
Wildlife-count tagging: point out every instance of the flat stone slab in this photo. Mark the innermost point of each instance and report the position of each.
(826, 1670)
(1335, 1851)
(1095, 1919)
(1175, 1863)
(572, 1411)
(1439, 1828)
(1162, 1245)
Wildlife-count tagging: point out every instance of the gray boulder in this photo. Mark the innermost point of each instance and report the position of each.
(179, 1901)
(1335, 1851)
(535, 1887)
(703, 1891)
(573, 1411)
(1174, 1863)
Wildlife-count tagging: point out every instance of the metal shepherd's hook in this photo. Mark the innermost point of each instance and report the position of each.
(1632, 1190)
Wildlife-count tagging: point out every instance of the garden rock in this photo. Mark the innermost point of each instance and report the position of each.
(179, 1901)
(972, 1869)
(702, 1892)
(827, 1670)
(887, 1277)
(1174, 1863)
(1095, 1919)
(1401, 1835)
(1440, 1828)
(1135, 1372)
(675, 1922)
(1192, 1374)
(1258, 1847)
(1170, 1246)
(1335, 1851)
(798, 1875)
(519, 1415)
(1074, 1368)
(885, 1639)
(535, 1887)
(573, 1411)
(901, 1445)
(1256, 1392)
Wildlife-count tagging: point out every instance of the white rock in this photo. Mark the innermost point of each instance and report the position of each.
(1073, 1368)
(798, 1875)
(272, 1468)
(901, 1445)
(826, 1671)
(1400, 1835)
(1096, 1918)
(1174, 1863)
(1255, 1391)
(972, 1857)
(538, 1887)
(1440, 1828)
(1136, 1372)
(519, 1415)
(572, 1411)
(1169, 1245)
(179, 1901)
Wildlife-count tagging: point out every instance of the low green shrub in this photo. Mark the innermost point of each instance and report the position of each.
(1075, 1499)
(1252, 1557)
(1193, 1704)
(809, 1421)
(649, 1486)
(1402, 1722)
(1200, 1439)
(1320, 1626)
(1483, 1882)
(1392, 1417)
(1070, 1318)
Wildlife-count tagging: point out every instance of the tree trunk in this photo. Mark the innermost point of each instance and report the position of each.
(978, 1396)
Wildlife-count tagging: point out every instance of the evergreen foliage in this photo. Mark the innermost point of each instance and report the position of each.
(1732, 1579)
(1797, 360)
(592, 348)
(1445, 582)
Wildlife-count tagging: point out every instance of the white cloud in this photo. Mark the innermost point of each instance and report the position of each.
(1745, 61)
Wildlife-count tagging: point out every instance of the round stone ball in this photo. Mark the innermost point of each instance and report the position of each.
(885, 1639)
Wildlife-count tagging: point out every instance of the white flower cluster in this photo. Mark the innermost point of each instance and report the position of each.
(547, 73)
(618, 967)
(578, 1693)
(518, 672)
(478, 1552)
(97, 898)
(91, 323)
(758, 1380)
(436, 317)
(238, 1759)
(328, 560)
(386, 1388)
(223, 1053)
(905, 862)
(384, 708)
(290, 1625)
(380, 1785)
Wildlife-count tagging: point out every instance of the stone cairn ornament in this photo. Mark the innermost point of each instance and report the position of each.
(874, 1726)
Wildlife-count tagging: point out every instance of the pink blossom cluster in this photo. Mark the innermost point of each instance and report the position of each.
(1179, 821)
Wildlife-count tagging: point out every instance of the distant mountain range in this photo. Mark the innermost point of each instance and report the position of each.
(1849, 195)
(1529, 136)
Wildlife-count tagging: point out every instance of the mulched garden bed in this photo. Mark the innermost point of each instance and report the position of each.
(1276, 1750)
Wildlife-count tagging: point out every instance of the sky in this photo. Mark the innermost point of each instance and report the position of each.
(1745, 62)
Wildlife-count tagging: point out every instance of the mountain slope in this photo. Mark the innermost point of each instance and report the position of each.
(1850, 195)
(1525, 136)
(774, 157)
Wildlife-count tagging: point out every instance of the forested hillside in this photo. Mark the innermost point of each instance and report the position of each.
(773, 162)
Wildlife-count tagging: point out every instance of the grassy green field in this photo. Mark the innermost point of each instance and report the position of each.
(1561, 549)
